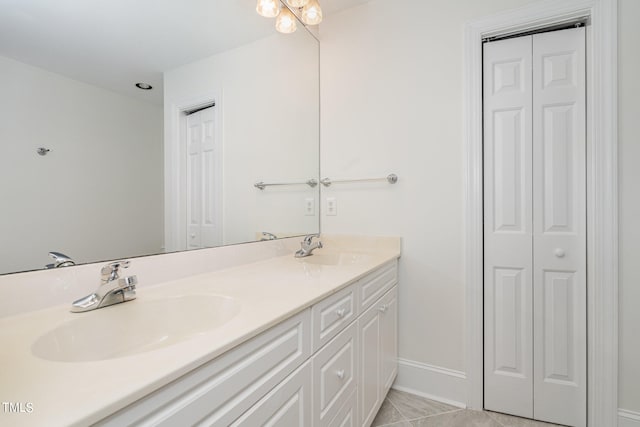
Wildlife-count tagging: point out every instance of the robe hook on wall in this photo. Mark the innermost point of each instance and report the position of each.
(43, 151)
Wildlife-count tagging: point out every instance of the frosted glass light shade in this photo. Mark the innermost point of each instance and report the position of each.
(311, 13)
(268, 8)
(298, 3)
(286, 22)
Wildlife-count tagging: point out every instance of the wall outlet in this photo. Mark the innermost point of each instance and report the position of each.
(309, 206)
(332, 206)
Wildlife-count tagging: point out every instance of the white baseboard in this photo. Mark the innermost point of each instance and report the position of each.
(433, 382)
(628, 418)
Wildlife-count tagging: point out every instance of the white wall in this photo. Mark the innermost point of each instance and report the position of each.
(98, 194)
(391, 98)
(629, 174)
(269, 100)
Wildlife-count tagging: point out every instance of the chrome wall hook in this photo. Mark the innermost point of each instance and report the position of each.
(43, 151)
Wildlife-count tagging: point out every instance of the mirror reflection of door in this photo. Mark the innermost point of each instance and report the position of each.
(204, 188)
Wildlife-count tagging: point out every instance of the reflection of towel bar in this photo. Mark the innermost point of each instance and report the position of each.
(262, 185)
(391, 179)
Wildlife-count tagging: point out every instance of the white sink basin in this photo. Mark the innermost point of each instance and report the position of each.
(134, 327)
(343, 258)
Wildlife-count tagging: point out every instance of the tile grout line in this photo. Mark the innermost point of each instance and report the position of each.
(435, 415)
(396, 408)
(493, 418)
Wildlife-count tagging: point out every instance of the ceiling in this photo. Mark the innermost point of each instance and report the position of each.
(117, 43)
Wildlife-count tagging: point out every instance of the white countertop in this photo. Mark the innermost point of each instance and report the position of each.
(81, 393)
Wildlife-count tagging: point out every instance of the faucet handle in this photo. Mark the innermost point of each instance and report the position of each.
(60, 260)
(111, 271)
(308, 238)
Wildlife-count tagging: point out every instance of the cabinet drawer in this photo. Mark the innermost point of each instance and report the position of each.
(376, 284)
(331, 315)
(220, 391)
(334, 375)
(288, 405)
(347, 415)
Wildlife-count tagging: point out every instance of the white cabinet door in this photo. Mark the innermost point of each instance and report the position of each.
(369, 386)
(559, 227)
(535, 226)
(288, 405)
(334, 375)
(389, 338)
(347, 416)
(378, 334)
(508, 256)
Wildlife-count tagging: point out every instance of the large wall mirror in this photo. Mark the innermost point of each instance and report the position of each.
(98, 169)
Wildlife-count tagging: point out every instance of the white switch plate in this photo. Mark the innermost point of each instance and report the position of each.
(309, 206)
(332, 206)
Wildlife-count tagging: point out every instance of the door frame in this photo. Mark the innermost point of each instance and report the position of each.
(602, 192)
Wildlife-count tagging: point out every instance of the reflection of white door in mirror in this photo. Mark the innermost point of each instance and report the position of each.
(204, 186)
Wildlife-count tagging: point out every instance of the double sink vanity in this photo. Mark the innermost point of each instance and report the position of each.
(284, 341)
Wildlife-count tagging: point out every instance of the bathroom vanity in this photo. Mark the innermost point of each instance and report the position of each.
(291, 342)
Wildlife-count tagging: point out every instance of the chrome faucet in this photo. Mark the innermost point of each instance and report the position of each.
(268, 236)
(307, 246)
(113, 289)
(60, 260)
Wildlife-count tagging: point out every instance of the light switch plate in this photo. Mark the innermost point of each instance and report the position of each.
(332, 206)
(309, 206)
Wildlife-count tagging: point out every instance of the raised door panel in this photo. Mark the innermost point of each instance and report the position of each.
(508, 260)
(370, 366)
(559, 117)
(288, 405)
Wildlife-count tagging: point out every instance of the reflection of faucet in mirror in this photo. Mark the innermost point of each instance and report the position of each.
(268, 236)
(307, 246)
(60, 260)
(112, 290)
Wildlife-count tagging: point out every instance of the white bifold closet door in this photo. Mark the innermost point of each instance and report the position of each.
(535, 319)
(202, 192)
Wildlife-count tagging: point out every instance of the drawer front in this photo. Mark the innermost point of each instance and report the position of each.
(376, 284)
(334, 375)
(347, 415)
(220, 391)
(332, 315)
(288, 405)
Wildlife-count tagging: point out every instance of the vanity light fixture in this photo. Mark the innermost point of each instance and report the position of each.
(308, 10)
(298, 3)
(312, 13)
(144, 86)
(286, 22)
(268, 8)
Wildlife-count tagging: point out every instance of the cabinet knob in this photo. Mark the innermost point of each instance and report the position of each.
(341, 312)
(340, 373)
(383, 308)
(193, 235)
(559, 252)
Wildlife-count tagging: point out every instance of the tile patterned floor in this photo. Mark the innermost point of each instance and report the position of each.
(402, 409)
